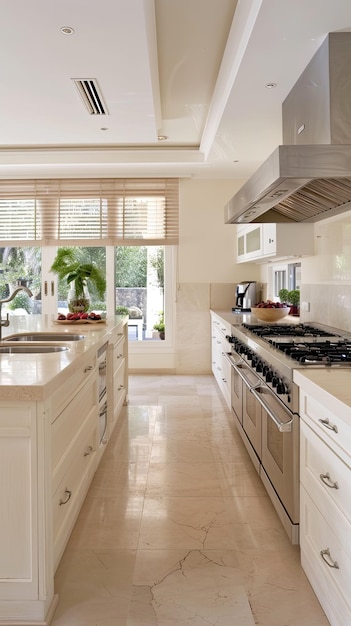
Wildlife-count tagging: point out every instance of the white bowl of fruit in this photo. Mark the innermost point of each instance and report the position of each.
(270, 311)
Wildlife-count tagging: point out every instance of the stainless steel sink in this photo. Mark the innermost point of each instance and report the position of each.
(31, 349)
(44, 337)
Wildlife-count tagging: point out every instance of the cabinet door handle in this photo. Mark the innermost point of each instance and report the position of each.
(325, 554)
(68, 497)
(88, 368)
(120, 387)
(52, 288)
(325, 478)
(46, 288)
(328, 425)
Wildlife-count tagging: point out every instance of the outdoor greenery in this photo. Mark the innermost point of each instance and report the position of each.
(131, 266)
(19, 264)
(21, 301)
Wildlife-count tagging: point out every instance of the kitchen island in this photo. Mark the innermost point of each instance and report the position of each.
(57, 412)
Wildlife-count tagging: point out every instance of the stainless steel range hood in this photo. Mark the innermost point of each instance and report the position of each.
(308, 178)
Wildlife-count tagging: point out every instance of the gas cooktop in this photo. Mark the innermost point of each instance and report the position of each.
(306, 344)
(288, 330)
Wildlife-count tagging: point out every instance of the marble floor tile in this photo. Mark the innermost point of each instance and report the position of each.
(193, 587)
(177, 528)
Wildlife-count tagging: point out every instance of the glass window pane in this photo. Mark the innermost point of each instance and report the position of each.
(20, 266)
(140, 289)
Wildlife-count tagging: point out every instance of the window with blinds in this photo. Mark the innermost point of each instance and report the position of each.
(91, 211)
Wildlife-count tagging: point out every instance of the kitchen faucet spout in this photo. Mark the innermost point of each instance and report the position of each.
(6, 322)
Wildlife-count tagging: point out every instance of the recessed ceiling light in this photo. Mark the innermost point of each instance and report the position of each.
(162, 137)
(270, 85)
(67, 30)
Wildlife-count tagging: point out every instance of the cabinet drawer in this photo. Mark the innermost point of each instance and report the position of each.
(68, 424)
(81, 447)
(119, 389)
(78, 378)
(331, 584)
(71, 490)
(331, 428)
(324, 474)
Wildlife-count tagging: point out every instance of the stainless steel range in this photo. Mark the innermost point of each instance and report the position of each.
(265, 400)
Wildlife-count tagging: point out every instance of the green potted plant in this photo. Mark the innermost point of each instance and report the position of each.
(67, 265)
(283, 296)
(160, 325)
(294, 300)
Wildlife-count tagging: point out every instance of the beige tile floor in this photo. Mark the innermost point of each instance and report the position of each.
(177, 529)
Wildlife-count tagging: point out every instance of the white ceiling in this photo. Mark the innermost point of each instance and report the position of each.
(193, 70)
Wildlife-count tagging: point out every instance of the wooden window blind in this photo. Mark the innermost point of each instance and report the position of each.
(91, 211)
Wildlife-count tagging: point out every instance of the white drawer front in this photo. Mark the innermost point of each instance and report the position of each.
(66, 427)
(323, 548)
(324, 474)
(335, 431)
(70, 492)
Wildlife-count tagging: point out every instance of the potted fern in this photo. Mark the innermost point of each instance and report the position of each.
(67, 265)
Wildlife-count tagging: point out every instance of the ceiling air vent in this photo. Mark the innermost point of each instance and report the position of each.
(90, 93)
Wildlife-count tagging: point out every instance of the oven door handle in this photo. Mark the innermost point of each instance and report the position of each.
(242, 366)
(229, 356)
(283, 427)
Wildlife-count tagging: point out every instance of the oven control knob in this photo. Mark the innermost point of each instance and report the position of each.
(275, 381)
(259, 366)
(269, 376)
(280, 387)
(265, 370)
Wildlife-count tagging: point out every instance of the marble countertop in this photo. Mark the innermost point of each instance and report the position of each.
(331, 387)
(35, 376)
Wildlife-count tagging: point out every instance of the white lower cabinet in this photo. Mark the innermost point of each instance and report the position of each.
(221, 367)
(325, 508)
(118, 367)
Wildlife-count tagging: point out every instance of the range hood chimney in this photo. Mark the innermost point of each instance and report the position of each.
(308, 178)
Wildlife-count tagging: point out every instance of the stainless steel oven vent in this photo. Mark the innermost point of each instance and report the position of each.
(91, 95)
(308, 178)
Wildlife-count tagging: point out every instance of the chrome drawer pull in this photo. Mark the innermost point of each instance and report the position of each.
(326, 553)
(89, 451)
(325, 478)
(69, 493)
(327, 424)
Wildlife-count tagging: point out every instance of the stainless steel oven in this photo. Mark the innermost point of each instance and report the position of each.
(265, 400)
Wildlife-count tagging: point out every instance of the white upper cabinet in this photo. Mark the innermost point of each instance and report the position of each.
(260, 242)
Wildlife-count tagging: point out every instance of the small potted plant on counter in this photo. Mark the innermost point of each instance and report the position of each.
(294, 300)
(283, 296)
(67, 265)
(160, 325)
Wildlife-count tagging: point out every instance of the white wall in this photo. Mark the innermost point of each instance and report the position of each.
(207, 269)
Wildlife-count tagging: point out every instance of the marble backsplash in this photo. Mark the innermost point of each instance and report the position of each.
(193, 329)
(329, 304)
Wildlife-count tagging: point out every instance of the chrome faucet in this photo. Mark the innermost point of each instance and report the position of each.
(6, 322)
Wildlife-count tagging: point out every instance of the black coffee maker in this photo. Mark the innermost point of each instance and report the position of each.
(246, 296)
